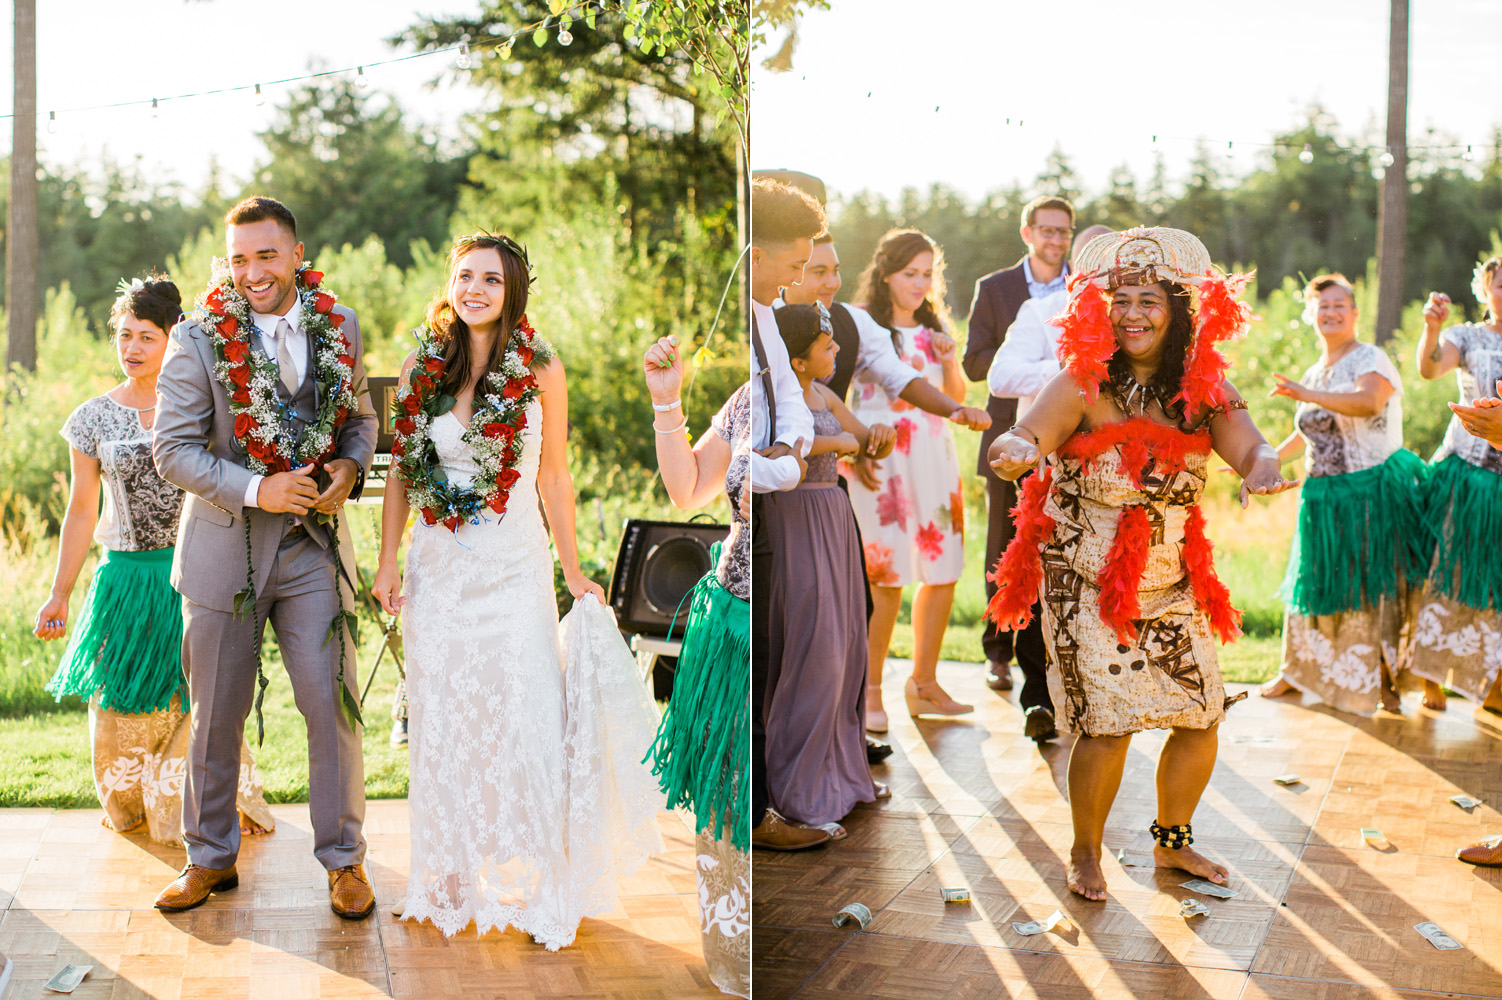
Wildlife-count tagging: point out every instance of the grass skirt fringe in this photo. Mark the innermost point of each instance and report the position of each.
(1356, 533)
(1465, 511)
(702, 751)
(127, 643)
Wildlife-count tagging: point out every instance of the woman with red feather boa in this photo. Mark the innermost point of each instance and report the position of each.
(1111, 536)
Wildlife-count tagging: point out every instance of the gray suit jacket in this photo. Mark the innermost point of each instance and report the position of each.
(193, 447)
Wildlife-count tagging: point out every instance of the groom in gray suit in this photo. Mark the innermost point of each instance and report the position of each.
(290, 552)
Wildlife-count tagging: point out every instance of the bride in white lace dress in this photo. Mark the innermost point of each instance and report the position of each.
(527, 798)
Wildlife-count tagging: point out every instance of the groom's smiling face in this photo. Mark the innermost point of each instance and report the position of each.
(263, 258)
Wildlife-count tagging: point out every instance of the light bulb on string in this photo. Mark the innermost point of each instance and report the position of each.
(260, 97)
(565, 37)
(1307, 156)
(1230, 149)
(362, 82)
(52, 123)
(463, 61)
(155, 110)
(1387, 159)
(1468, 156)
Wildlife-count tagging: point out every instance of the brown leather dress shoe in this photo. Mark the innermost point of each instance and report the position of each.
(1487, 853)
(350, 894)
(1000, 677)
(194, 886)
(774, 833)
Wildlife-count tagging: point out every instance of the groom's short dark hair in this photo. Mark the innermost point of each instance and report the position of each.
(259, 209)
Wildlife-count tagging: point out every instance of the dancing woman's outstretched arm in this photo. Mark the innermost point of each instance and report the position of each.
(693, 476)
(554, 482)
(387, 587)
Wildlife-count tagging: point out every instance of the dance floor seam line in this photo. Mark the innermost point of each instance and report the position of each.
(1322, 914)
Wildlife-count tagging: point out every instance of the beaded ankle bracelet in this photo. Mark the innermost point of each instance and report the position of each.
(1173, 837)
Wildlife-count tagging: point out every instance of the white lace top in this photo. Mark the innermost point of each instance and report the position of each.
(141, 508)
(1480, 368)
(1337, 443)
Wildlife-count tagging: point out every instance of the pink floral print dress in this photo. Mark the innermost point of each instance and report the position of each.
(913, 527)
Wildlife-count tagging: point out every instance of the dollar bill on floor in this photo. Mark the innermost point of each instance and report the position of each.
(1372, 833)
(855, 913)
(1193, 908)
(68, 979)
(1465, 801)
(1027, 928)
(1289, 779)
(955, 895)
(1134, 860)
(1209, 888)
(1436, 937)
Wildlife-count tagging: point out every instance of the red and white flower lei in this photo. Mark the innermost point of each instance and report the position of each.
(251, 378)
(494, 434)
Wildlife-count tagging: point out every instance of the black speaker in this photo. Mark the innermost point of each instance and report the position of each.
(657, 565)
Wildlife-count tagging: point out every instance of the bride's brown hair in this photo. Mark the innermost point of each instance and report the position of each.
(453, 332)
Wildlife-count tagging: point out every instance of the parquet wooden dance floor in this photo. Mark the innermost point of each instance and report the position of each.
(1320, 915)
(73, 892)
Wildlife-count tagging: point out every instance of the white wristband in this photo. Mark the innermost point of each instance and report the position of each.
(665, 407)
(672, 430)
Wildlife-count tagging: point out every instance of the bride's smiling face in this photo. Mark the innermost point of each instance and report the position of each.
(477, 287)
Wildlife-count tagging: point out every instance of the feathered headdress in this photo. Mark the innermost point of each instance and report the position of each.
(1142, 256)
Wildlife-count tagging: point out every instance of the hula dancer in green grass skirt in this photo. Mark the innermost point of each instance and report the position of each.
(1457, 619)
(1360, 527)
(701, 753)
(124, 653)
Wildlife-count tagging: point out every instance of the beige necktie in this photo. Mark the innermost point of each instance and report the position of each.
(284, 363)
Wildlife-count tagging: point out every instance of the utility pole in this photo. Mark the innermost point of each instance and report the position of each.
(21, 242)
(1392, 210)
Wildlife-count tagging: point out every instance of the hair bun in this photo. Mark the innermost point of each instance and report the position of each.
(164, 288)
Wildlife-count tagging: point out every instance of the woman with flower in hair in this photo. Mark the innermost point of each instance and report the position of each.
(913, 522)
(125, 652)
(1110, 538)
(1360, 539)
(1457, 625)
(528, 798)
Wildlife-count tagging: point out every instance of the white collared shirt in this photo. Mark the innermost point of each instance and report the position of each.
(1029, 354)
(1038, 289)
(875, 358)
(794, 421)
(297, 343)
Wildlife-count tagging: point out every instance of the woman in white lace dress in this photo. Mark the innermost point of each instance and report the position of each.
(527, 798)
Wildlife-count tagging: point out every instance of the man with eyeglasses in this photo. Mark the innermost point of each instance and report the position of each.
(1047, 227)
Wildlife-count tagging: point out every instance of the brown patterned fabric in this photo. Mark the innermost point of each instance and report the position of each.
(140, 763)
(1170, 676)
(725, 912)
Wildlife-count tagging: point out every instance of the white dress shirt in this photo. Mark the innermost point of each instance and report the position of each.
(794, 420)
(875, 359)
(1029, 354)
(297, 343)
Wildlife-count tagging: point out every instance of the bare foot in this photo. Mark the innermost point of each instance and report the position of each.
(109, 824)
(1391, 702)
(250, 827)
(1276, 688)
(1191, 861)
(1493, 702)
(1434, 697)
(1085, 877)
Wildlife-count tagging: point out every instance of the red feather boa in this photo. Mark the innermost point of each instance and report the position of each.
(1086, 341)
(1221, 317)
(1209, 593)
(1142, 440)
(1121, 576)
(1019, 572)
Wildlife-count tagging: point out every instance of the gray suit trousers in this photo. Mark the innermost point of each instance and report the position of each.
(299, 601)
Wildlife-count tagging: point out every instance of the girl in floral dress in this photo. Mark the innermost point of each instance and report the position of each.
(913, 524)
(1359, 540)
(124, 654)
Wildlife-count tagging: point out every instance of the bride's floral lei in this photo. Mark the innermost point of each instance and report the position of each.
(270, 446)
(494, 432)
(251, 378)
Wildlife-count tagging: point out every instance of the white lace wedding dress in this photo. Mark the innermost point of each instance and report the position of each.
(527, 797)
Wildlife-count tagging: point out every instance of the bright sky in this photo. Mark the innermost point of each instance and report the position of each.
(92, 52)
(1099, 78)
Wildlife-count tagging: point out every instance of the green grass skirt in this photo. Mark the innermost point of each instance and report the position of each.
(1356, 534)
(1465, 512)
(702, 751)
(127, 642)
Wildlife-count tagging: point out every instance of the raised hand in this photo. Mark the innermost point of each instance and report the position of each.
(663, 367)
(942, 346)
(1265, 479)
(1011, 455)
(1436, 311)
(972, 417)
(1296, 391)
